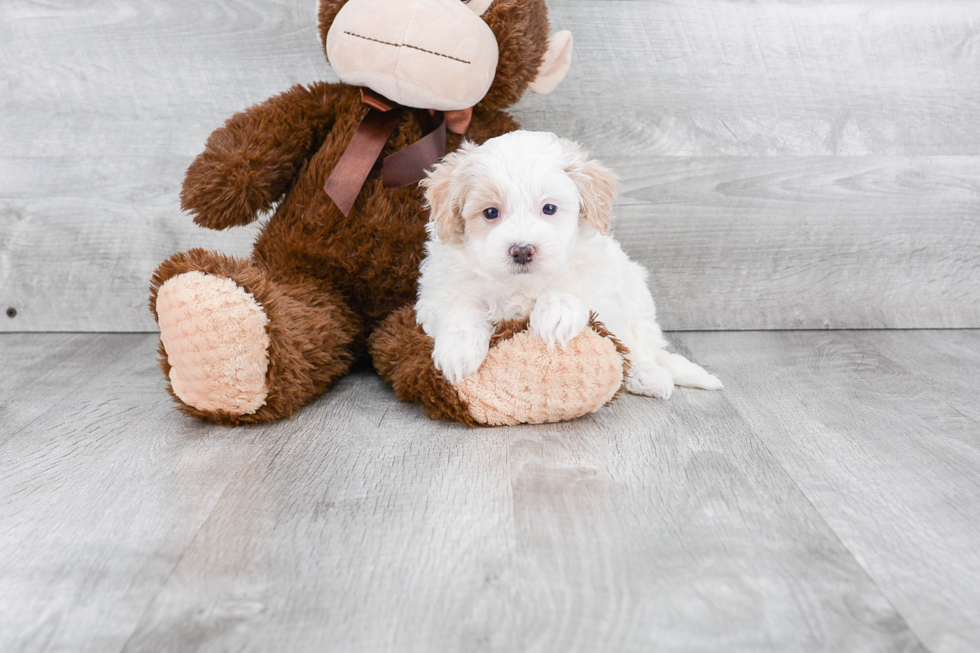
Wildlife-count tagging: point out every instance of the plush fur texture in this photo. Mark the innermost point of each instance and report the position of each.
(215, 334)
(522, 381)
(311, 334)
(520, 229)
(402, 354)
(324, 281)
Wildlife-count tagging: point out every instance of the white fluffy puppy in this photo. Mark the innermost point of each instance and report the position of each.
(520, 226)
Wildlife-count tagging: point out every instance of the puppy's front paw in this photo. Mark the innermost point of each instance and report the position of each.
(459, 353)
(558, 317)
(651, 380)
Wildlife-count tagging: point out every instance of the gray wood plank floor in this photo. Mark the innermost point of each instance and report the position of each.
(827, 500)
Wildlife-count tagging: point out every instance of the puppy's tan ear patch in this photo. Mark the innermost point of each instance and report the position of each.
(444, 195)
(597, 186)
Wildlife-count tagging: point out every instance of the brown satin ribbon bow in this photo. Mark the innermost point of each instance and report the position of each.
(403, 168)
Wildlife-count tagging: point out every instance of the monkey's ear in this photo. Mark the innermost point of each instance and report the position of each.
(445, 191)
(555, 65)
(596, 186)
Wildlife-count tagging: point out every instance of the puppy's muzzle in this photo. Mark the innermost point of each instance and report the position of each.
(522, 254)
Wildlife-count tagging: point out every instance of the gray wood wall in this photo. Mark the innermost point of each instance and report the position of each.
(785, 164)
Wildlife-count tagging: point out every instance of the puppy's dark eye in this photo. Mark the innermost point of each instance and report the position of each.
(550, 209)
(491, 214)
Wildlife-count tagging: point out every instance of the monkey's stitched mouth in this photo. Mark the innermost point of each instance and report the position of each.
(406, 45)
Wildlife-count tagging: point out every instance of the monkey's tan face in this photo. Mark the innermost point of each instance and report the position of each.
(430, 54)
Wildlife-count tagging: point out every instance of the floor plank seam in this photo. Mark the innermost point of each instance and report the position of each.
(9, 437)
(912, 374)
(190, 545)
(867, 429)
(836, 536)
(197, 534)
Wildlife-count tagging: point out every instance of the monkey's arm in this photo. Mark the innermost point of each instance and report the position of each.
(249, 163)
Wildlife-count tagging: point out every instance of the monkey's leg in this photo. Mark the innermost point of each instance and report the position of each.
(239, 347)
(402, 354)
(521, 380)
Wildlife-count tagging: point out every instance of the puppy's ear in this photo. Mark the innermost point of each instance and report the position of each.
(596, 185)
(445, 191)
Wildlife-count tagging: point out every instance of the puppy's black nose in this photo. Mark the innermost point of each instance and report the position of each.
(522, 254)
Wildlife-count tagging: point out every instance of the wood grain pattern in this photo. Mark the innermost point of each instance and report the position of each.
(26, 356)
(884, 440)
(105, 103)
(766, 78)
(103, 487)
(940, 362)
(775, 243)
(39, 371)
(433, 538)
(362, 526)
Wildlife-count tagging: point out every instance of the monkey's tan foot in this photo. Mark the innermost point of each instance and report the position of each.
(214, 334)
(522, 381)
(240, 348)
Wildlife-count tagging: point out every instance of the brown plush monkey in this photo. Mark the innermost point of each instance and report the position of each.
(253, 340)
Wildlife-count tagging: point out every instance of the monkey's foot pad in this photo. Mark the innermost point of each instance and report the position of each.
(215, 338)
(523, 382)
